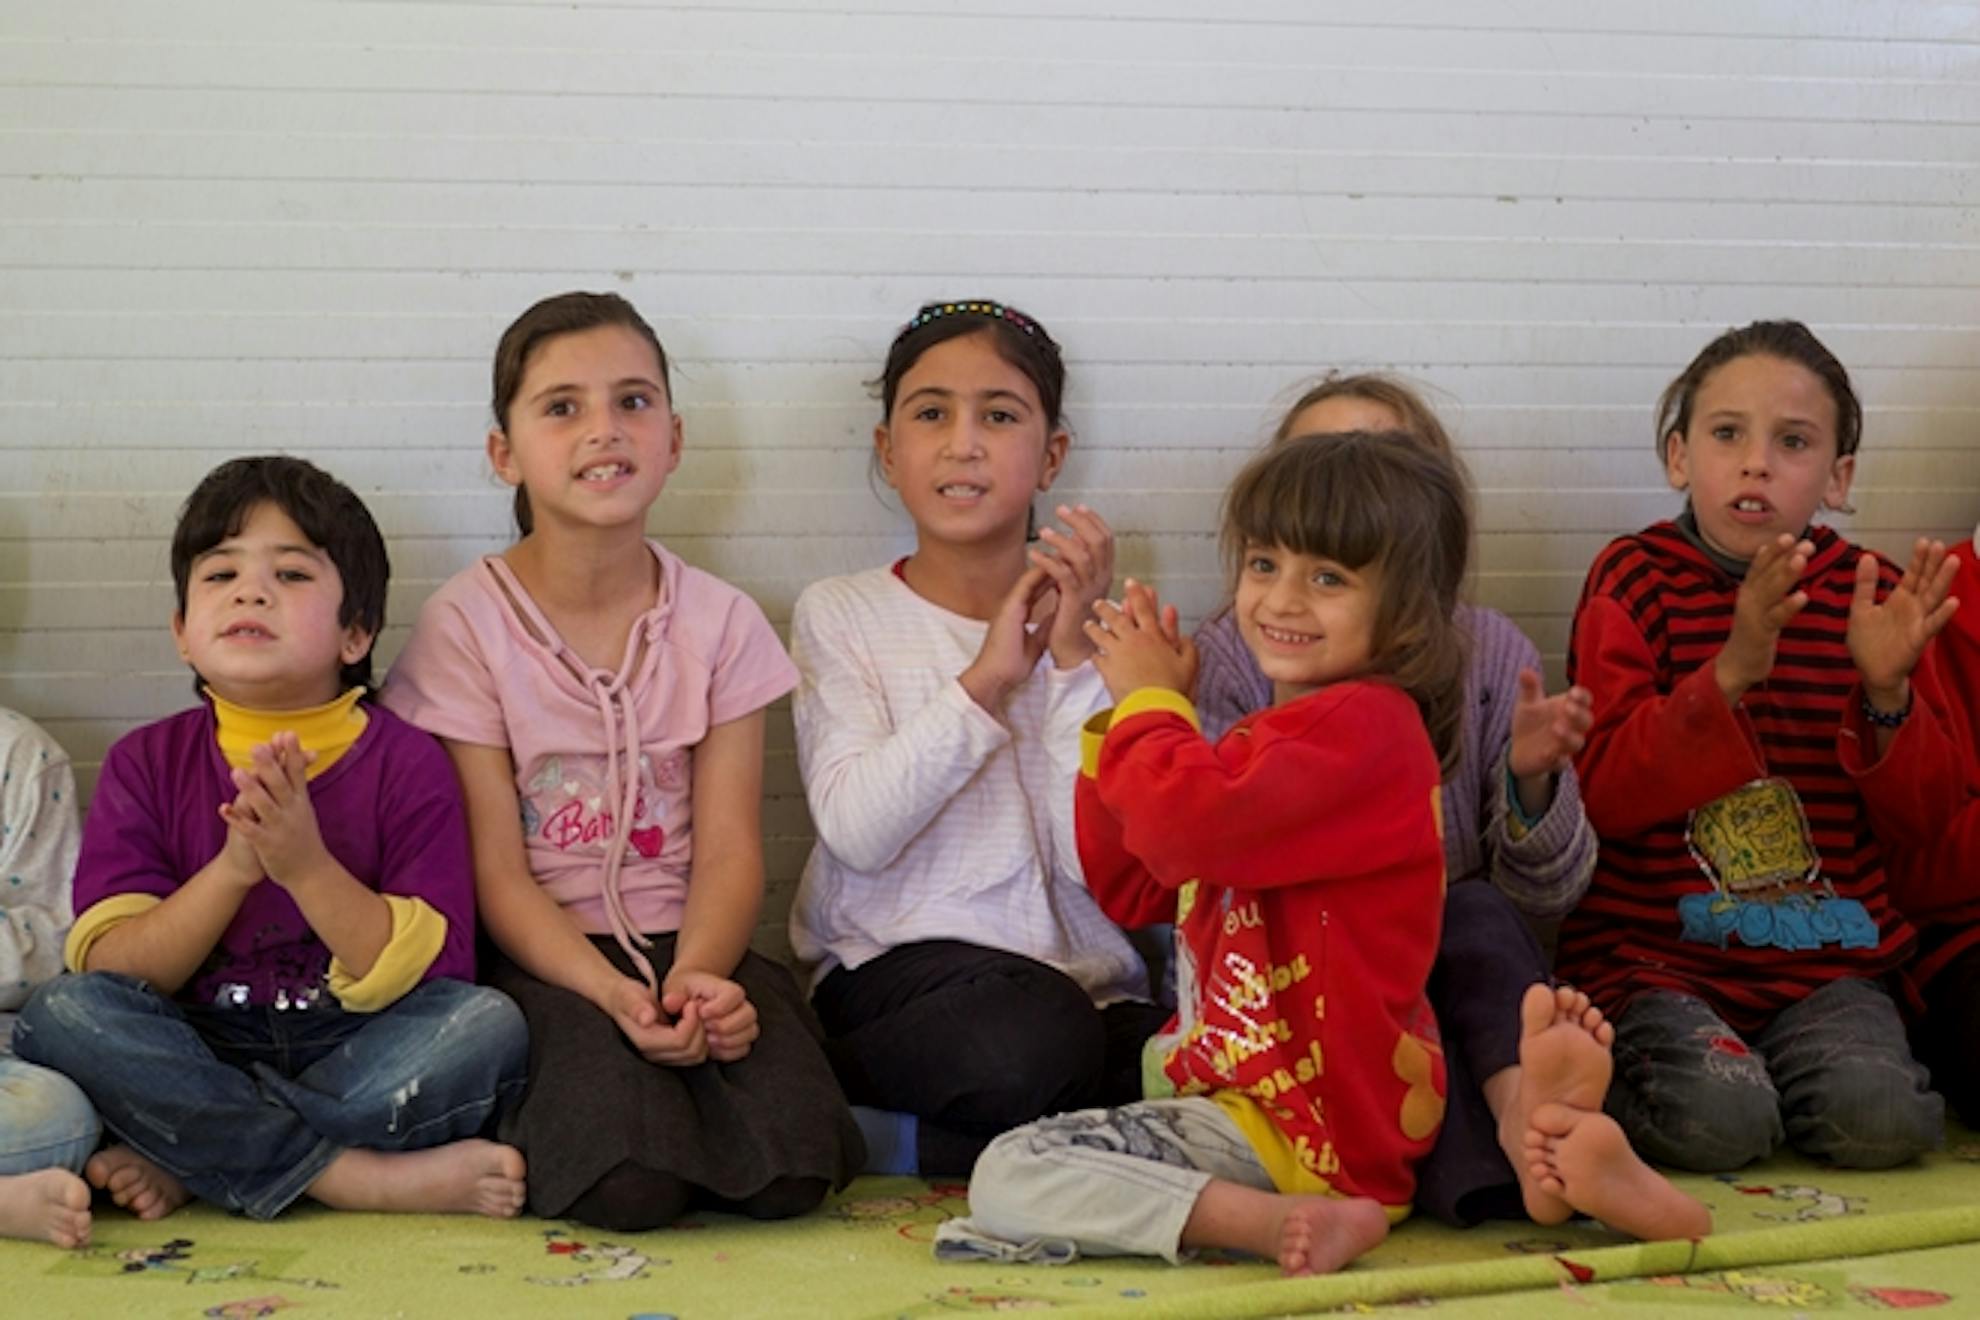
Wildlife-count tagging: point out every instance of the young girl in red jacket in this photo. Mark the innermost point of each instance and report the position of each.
(1301, 859)
(1759, 729)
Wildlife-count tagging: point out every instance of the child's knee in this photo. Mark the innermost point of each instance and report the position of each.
(1000, 1170)
(1705, 1122)
(69, 1014)
(481, 1029)
(1868, 1117)
(47, 1120)
(1731, 1127)
(1046, 1054)
(494, 1020)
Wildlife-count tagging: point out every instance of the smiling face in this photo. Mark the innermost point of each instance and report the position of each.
(967, 444)
(591, 433)
(1307, 620)
(1760, 453)
(260, 623)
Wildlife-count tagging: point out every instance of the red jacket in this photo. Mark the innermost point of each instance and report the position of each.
(1935, 877)
(1305, 851)
(1653, 616)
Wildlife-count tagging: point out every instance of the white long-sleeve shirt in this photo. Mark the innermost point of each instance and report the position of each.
(39, 836)
(935, 819)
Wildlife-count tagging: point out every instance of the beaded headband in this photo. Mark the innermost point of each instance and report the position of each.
(995, 310)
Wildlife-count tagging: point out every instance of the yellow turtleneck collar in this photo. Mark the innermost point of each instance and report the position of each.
(328, 730)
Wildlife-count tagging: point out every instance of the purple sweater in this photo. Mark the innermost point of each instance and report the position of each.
(1546, 870)
(389, 810)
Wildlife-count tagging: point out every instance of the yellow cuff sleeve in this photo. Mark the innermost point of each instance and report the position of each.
(418, 932)
(1158, 698)
(1091, 735)
(102, 918)
(1136, 702)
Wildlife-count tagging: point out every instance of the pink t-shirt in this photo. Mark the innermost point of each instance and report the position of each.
(484, 666)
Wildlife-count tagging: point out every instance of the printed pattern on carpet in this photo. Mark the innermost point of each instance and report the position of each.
(1790, 1234)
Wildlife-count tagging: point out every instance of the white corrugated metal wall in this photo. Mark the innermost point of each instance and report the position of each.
(233, 227)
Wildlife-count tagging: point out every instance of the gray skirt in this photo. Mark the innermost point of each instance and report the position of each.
(732, 1129)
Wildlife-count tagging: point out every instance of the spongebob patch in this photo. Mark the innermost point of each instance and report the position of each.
(1768, 892)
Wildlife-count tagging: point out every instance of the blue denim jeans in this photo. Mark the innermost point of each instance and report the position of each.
(45, 1120)
(1832, 1075)
(248, 1106)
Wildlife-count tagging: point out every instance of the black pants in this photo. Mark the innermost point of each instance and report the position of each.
(1485, 961)
(1948, 1038)
(974, 1042)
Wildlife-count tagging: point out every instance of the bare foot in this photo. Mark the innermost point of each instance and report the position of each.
(463, 1177)
(1321, 1234)
(135, 1183)
(1563, 1059)
(48, 1205)
(1308, 1234)
(1584, 1158)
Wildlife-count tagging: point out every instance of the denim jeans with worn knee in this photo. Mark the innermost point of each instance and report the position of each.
(45, 1119)
(248, 1106)
(1832, 1075)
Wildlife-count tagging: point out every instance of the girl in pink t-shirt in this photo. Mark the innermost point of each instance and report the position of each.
(604, 705)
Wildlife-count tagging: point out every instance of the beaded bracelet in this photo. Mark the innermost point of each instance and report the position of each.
(1884, 721)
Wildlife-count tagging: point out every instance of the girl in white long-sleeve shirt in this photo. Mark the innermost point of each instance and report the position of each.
(966, 978)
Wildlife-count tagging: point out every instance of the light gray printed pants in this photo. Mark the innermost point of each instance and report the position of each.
(1099, 1182)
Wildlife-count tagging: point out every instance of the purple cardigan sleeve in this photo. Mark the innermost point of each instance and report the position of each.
(1229, 685)
(1545, 869)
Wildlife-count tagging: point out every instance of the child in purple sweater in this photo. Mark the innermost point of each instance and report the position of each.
(275, 904)
(1527, 1064)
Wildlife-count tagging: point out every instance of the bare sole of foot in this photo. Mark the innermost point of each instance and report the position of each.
(135, 1183)
(464, 1177)
(1563, 1059)
(1321, 1234)
(1587, 1160)
(48, 1205)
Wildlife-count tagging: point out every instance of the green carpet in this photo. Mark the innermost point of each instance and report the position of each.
(1790, 1235)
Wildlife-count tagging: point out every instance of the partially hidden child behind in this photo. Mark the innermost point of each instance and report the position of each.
(47, 1129)
(1301, 857)
(275, 911)
(604, 703)
(1761, 719)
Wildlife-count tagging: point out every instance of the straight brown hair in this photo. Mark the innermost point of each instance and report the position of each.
(1380, 500)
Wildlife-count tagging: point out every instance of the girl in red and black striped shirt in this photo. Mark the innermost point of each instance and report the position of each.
(1755, 714)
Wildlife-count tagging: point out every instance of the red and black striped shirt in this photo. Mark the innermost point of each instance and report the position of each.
(1653, 616)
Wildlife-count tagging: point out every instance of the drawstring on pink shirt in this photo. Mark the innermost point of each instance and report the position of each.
(619, 712)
